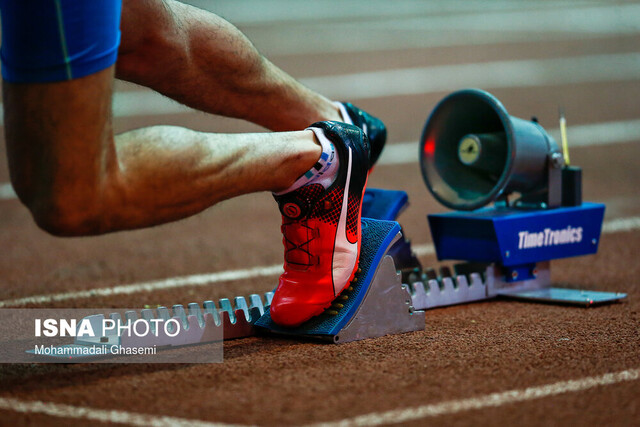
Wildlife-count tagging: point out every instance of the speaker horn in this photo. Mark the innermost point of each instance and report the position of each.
(473, 153)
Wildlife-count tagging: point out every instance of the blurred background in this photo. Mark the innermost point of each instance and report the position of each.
(396, 60)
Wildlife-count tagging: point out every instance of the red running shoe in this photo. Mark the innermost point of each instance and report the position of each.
(322, 232)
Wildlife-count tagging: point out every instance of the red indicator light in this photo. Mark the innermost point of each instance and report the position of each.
(429, 147)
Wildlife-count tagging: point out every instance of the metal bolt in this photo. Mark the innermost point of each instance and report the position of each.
(507, 254)
(594, 241)
(514, 274)
(557, 160)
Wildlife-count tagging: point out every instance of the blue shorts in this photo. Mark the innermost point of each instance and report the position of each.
(56, 40)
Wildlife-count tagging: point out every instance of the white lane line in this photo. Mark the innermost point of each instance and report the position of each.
(424, 80)
(621, 225)
(430, 30)
(170, 283)
(102, 415)
(488, 75)
(318, 12)
(451, 407)
(6, 192)
(620, 19)
(601, 133)
(407, 152)
(424, 249)
(492, 400)
(612, 226)
(588, 135)
(579, 136)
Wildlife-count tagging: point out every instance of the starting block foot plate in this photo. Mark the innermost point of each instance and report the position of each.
(567, 296)
(377, 303)
(384, 204)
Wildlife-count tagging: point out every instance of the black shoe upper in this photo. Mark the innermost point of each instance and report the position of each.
(372, 126)
(344, 136)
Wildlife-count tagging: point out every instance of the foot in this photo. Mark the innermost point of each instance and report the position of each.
(373, 127)
(322, 231)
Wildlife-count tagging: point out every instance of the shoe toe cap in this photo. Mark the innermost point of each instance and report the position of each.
(292, 314)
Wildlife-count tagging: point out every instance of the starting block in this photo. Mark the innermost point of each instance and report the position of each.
(376, 303)
(390, 293)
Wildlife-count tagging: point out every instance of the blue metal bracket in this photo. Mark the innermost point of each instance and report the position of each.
(515, 238)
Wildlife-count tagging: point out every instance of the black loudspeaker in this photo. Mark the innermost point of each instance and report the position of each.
(472, 153)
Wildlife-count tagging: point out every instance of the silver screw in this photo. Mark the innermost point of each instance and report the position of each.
(557, 160)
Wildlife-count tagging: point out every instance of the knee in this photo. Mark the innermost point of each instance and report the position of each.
(65, 222)
(64, 214)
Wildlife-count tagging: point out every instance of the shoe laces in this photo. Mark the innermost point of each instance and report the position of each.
(291, 233)
(298, 235)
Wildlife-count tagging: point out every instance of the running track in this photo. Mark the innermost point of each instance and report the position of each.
(481, 364)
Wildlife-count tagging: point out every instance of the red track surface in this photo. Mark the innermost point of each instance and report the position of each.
(464, 352)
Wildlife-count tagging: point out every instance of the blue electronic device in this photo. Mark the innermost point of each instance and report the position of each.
(473, 153)
(517, 239)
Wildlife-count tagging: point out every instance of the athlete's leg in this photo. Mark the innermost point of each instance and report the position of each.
(77, 179)
(203, 61)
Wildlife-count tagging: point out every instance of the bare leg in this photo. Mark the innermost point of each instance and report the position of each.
(201, 60)
(77, 179)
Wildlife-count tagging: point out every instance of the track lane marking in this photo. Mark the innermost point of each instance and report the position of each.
(250, 13)
(102, 415)
(605, 133)
(579, 136)
(433, 79)
(612, 226)
(492, 400)
(7, 192)
(450, 407)
(424, 80)
(170, 283)
(488, 75)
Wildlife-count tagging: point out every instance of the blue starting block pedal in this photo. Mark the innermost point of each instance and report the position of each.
(382, 204)
(387, 205)
(375, 304)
